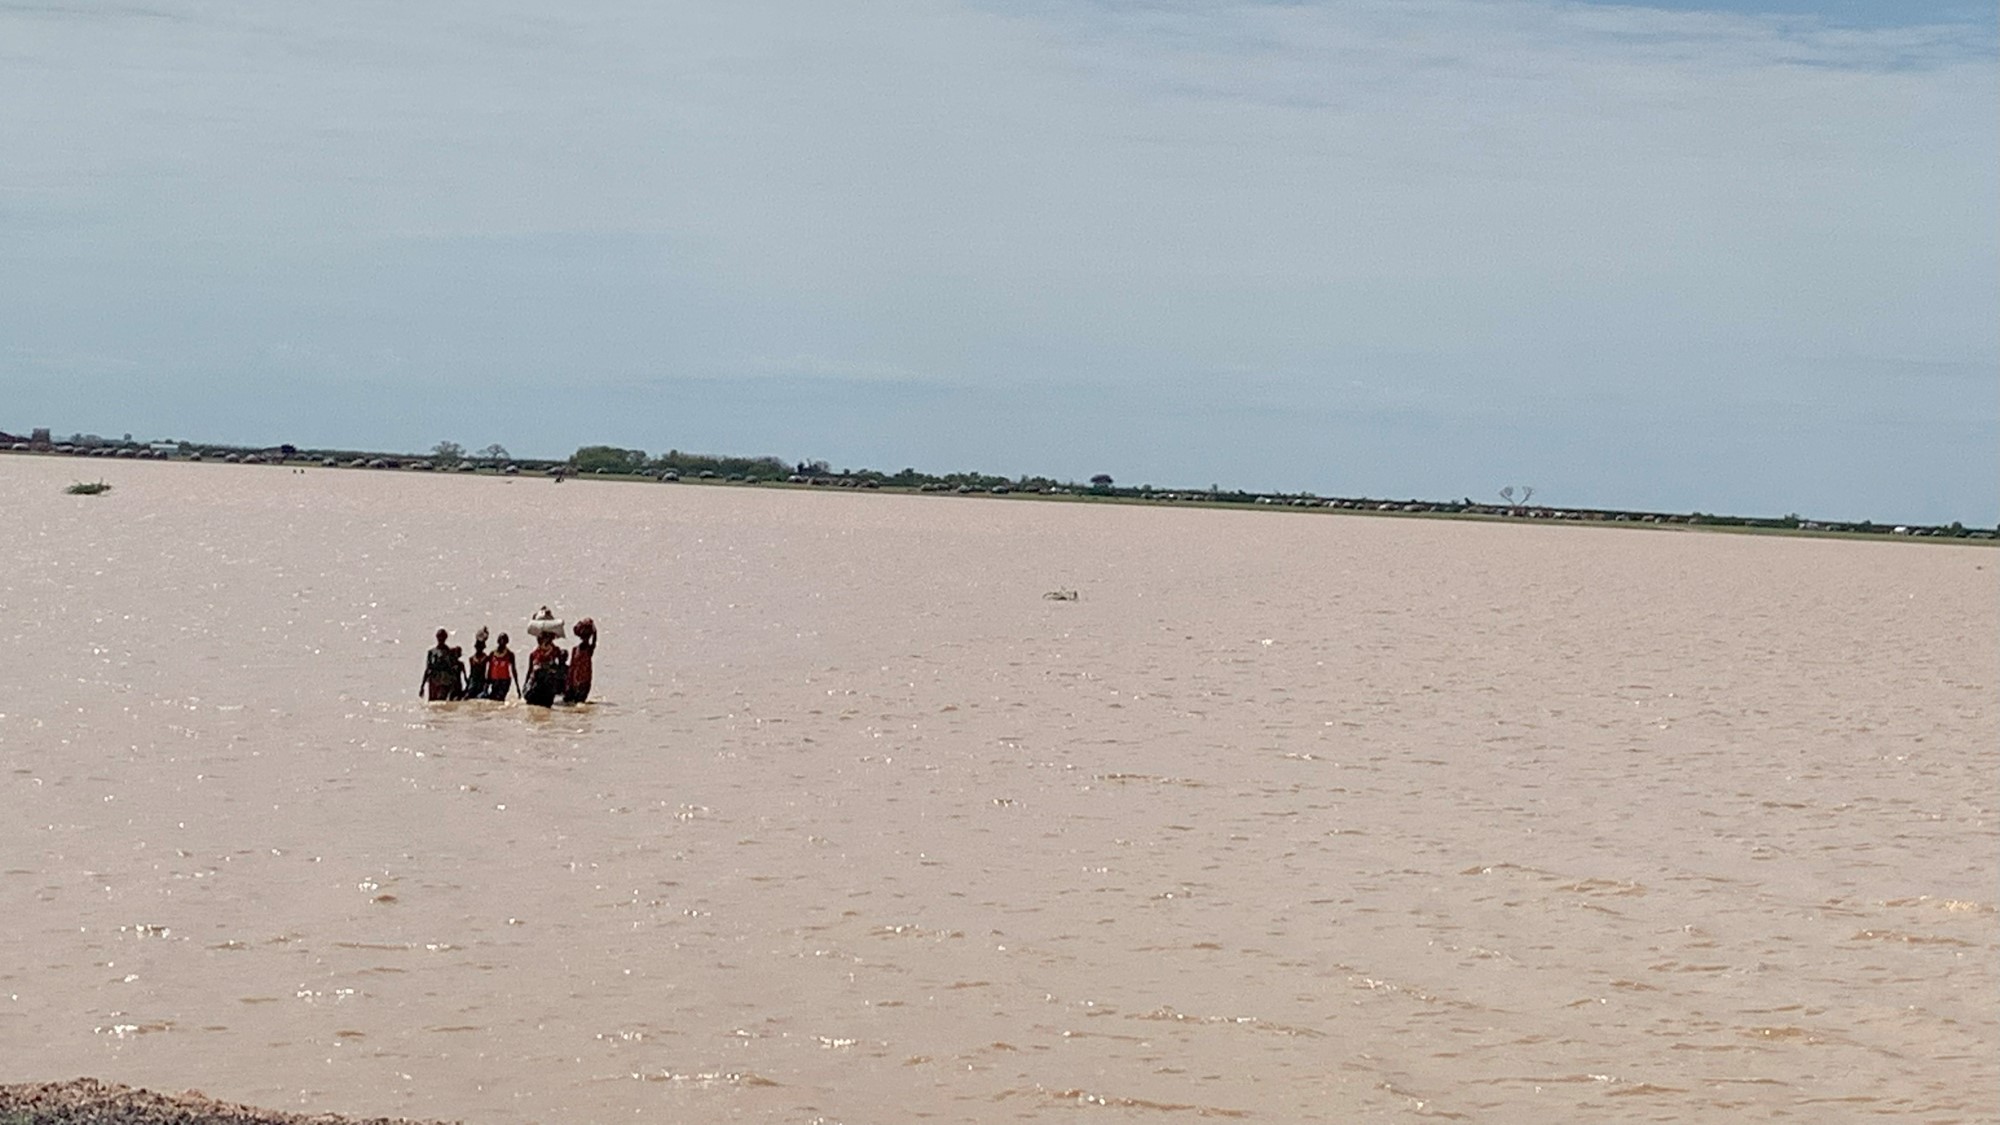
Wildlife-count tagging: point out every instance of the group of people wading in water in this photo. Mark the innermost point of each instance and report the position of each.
(551, 674)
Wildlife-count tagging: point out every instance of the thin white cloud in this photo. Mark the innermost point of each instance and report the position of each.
(825, 367)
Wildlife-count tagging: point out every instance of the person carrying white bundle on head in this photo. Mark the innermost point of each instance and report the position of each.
(548, 664)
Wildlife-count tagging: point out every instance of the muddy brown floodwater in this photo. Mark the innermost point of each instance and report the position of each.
(1289, 817)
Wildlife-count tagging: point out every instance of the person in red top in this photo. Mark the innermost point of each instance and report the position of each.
(499, 671)
(578, 688)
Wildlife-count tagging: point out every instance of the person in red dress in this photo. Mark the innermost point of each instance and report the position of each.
(578, 688)
(499, 671)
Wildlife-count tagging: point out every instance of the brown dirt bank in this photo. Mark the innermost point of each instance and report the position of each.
(86, 1101)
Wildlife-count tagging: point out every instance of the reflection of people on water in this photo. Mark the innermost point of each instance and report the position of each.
(577, 689)
(441, 671)
(499, 671)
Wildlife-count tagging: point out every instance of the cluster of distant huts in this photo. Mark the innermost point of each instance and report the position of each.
(91, 446)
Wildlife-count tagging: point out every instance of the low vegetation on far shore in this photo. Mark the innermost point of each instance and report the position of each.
(606, 462)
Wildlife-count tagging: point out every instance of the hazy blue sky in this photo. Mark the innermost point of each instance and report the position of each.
(1731, 257)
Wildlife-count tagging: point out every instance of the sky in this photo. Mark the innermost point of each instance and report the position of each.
(1729, 257)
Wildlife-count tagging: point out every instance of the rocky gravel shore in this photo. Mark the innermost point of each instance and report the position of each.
(86, 1101)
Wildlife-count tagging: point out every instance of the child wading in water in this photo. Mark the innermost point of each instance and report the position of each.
(578, 688)
(475, 675)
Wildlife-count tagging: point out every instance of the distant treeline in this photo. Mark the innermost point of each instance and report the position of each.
(676, 465)
(609, 459)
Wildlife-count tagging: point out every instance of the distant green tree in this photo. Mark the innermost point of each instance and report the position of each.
(447, 453)
(495, 454)
(766, 468)
(608, 458)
